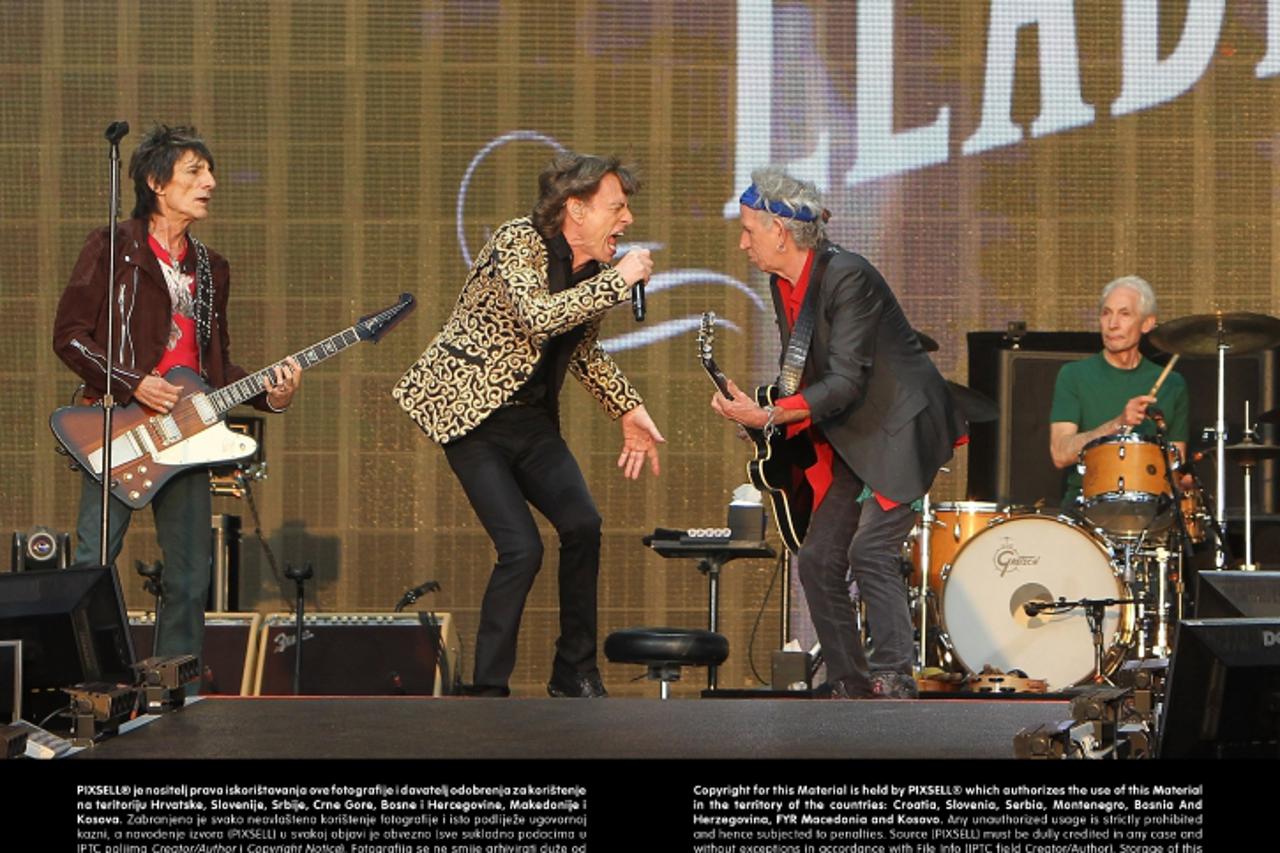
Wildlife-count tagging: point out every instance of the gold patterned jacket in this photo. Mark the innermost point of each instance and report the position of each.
(493, 339)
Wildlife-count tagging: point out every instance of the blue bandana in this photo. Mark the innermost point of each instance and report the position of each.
(752, 199)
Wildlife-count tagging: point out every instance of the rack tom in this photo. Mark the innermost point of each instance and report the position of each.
(1126, 488)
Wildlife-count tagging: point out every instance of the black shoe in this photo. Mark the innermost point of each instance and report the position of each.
(578, 685)
(844, 688)
(894, 685)
(491, 691)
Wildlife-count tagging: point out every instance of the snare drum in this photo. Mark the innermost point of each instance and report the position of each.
(955, 523)
(1033, 558)
(1126, 485)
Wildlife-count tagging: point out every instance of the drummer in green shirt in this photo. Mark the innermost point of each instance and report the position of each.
(1099, 395)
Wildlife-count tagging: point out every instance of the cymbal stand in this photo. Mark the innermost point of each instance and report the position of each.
(927, 520)
(1247, 463)
(1220, 502)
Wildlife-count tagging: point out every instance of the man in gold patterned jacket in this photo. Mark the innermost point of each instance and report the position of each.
(487, 389)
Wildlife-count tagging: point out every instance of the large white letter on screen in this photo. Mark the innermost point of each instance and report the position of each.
(878, 151)
(1145, 79)
(1270, 64)
(754, 114)
(1061, 105)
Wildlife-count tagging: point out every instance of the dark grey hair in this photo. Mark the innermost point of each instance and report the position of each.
(574, 176)
(1139, 285)
(775, 185)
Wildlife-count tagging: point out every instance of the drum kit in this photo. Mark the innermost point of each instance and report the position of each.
(1064, 597)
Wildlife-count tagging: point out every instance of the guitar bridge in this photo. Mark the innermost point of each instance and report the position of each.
(165, 428)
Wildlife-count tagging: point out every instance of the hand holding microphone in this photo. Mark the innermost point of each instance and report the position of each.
(635, 267)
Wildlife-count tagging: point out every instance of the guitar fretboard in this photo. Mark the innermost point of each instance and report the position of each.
(227, 398)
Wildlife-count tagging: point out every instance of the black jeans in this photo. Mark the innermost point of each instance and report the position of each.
(514, 458)
(864, 540)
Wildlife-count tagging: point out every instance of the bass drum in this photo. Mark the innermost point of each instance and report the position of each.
(1033, 558)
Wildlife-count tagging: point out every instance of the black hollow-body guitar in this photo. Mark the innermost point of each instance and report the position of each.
(780, 462)
(148, 448)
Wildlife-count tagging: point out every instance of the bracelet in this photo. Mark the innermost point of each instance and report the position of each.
(768, 424)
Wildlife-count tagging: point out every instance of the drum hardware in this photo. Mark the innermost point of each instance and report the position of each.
(1248, 453)
(1095, 611)
(1210, 334)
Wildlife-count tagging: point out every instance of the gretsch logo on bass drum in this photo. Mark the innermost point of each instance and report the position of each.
(1007, 558)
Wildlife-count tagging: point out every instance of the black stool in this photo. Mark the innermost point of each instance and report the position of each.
(665, 650)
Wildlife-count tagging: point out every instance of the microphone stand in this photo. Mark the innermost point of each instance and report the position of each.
(299, 576)
(114, 133)
(1095, 610)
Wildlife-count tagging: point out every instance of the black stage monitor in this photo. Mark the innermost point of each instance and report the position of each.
(73, 629)
(1223, 697)
(1232, 594)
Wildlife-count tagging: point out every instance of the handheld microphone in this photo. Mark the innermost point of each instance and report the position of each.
(637, 300)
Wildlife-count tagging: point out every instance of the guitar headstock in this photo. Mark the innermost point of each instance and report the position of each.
(372, 327)
(706, 335)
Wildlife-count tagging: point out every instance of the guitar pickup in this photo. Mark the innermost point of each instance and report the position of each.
(166, 429)
(204, 409)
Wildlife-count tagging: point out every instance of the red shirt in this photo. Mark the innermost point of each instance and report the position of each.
(819, 474)
(182, 349)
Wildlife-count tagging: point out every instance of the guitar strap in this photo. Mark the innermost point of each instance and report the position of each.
(203, 300)
(802, 334)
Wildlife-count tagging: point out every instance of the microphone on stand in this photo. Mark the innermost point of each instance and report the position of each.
(414, 594)
(637, 300)
(116, 131)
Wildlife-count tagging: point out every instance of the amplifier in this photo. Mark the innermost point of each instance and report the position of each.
(359, 654)
(230, 645)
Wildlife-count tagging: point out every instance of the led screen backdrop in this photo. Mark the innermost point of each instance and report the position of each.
(997, 160)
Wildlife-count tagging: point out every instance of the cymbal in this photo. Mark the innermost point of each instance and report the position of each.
(929, 344)
(977, 407)
(1248, 452)
(1252, 452)
(1198, 334)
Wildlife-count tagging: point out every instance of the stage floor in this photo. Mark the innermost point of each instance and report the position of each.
(472, 728)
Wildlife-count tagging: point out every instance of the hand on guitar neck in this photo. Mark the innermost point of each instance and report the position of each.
(283, 383)
(161, 396)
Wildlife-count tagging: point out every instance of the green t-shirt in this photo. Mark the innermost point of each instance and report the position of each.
(1091, 391)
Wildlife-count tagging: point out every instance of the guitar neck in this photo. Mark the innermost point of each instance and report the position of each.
(225, 399)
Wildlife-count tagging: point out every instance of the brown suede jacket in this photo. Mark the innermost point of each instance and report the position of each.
(143, 313)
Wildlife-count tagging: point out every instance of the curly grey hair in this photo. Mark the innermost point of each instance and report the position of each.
(775, 185)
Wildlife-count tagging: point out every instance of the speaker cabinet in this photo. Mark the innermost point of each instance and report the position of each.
(359, 654)
(230, 648)
(1237, 595)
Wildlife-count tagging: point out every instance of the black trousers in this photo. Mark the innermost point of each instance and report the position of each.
(864, 541)
(516, 457)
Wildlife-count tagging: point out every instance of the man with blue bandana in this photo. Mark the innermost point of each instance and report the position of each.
(880, 418)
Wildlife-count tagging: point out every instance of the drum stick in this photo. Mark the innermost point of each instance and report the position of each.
(1163, 375)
